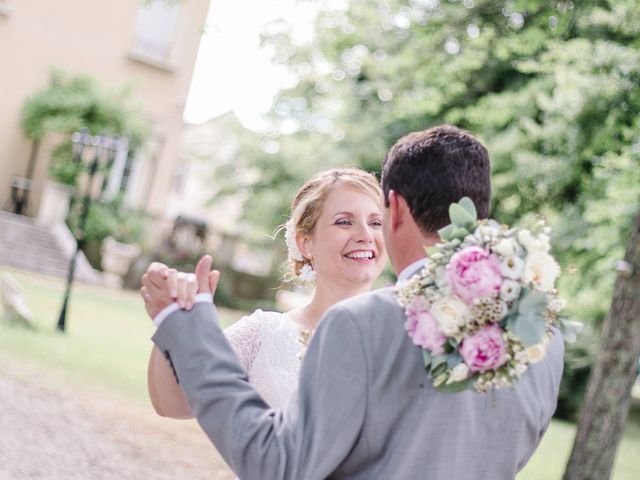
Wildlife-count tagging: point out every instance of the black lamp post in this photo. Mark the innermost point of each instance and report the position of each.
(93, 151)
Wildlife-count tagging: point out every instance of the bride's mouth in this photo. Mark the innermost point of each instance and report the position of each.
(361, 256)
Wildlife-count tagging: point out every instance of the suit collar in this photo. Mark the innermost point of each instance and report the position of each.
(411, 270)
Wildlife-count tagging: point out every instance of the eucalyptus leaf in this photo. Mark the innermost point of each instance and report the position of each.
(431, 250)
(426, 355)
(533, 303)
(459, 216)
(530, 328)
(467, 204)
(459, 232)
(445, 233)
(570, 329)
(453, 360)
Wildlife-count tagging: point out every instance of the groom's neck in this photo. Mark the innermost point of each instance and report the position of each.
(413, 249)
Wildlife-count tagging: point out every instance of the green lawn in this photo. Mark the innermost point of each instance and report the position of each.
(107, 339)
(107, 343)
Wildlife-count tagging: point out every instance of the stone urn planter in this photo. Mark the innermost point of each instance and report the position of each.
(54, 203)
(116, 260)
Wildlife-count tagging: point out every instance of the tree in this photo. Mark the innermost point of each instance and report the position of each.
(552, 89)
(609, 393)
(73, 102)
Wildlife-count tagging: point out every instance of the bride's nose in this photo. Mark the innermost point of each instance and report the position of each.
(364, 234)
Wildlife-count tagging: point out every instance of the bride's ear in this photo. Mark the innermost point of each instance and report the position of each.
(305, 244)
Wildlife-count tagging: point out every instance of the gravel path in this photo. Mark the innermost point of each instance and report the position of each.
(54, 431)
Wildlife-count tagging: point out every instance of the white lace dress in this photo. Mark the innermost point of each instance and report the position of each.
(267, 345)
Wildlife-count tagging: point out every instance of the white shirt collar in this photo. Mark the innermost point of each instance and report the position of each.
(412, 269)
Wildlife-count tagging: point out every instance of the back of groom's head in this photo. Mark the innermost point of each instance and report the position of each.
(434, 168)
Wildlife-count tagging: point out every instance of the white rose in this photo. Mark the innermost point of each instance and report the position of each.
(507, 247)
(532, 244)
(511, 267)
(535, 353)
(459, 373)
(541, 270)
(451, 313)
(510, 290)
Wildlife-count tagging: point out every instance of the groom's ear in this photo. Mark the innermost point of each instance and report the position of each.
(398, 210)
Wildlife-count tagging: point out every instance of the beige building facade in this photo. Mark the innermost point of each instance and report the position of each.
(151, 45)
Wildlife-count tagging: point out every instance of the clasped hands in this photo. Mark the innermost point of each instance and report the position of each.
(162, 286)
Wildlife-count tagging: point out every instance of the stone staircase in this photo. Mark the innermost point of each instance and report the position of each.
(26, 245)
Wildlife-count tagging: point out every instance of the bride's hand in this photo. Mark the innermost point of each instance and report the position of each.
(206, 278)
(155, 290)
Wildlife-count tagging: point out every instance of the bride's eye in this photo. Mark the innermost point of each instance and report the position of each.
(376, 223)
(343, 222)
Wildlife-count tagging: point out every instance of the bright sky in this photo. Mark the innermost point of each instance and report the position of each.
(232, 72)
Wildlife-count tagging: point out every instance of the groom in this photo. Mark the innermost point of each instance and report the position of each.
(365, 408)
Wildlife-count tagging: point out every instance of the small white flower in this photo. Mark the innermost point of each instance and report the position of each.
(510, 290)
(458, 373)
(307, 274)
(290, 239)
(487, 233)
(451, 313)
(556, 305)
(511, 267)
(532, 244)
(506, 247)
(541, 270)
(535, 353)
(520, 368)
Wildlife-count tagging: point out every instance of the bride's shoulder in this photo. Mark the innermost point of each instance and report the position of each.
(265, 318)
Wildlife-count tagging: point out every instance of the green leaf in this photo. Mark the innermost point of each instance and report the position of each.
(431, 250)
(426, 355)
(445, 233)
(460, 217)
(438, 365)
(530, 328)
(570, 329)
(456, 386)
(453, 360)
(459, 232)
(534, 302)
(468, 205)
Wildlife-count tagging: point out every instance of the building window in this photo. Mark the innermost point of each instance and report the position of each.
(155, 31)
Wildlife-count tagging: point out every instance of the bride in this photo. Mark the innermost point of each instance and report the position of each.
(334, 239)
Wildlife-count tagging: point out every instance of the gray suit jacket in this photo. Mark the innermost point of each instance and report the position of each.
(365, 408)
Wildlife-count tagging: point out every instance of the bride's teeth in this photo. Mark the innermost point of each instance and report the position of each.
(360, 255)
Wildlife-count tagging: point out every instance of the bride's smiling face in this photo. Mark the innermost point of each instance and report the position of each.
(346, 245)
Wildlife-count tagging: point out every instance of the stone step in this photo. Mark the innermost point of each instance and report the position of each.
(26, 245)
(47, 249)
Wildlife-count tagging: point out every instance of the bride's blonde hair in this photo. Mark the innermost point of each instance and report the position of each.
(307, 205)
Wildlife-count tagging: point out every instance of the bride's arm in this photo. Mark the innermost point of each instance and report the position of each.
(167, 397)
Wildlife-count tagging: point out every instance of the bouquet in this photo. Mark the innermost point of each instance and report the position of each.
(483, 307)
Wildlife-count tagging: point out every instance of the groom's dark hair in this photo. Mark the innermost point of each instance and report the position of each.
(434, 168)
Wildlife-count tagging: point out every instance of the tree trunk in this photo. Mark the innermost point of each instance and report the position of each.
(608, 395)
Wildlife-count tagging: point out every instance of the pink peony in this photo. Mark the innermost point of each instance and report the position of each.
(474, 273)
(417, 307)
(423, 330)
(485, 350)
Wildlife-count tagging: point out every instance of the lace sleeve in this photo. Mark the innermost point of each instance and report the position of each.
(244, 336)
